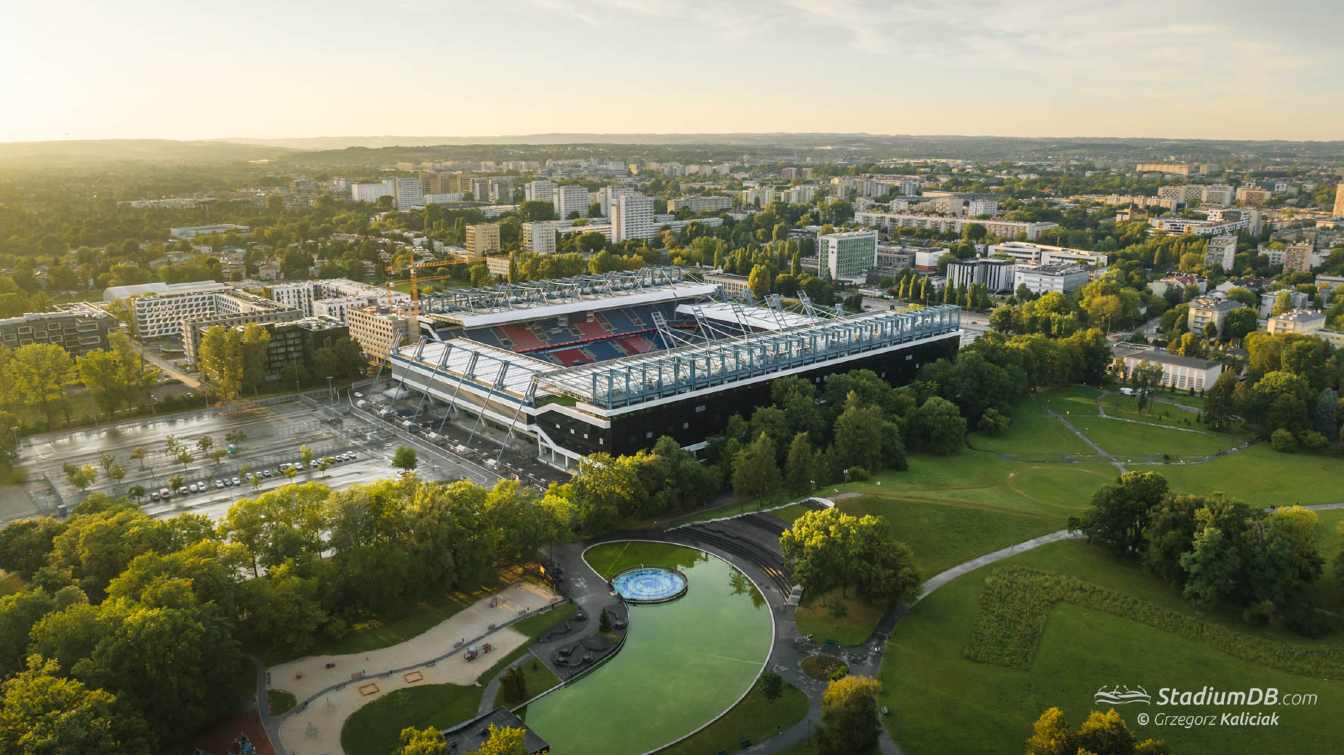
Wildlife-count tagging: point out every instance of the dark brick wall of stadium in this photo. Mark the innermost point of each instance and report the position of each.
(691, 420)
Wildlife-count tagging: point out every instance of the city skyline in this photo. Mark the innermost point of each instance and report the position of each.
(1229, 70)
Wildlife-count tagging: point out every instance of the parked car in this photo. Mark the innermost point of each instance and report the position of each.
(237, 481)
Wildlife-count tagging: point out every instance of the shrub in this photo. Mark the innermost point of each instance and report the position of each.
(1283, 441)
(993, 422)
(1312, 440)
(857, 474)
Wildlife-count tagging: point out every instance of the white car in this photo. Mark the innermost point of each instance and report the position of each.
(236, 481)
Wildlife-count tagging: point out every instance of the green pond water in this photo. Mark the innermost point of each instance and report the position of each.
(683, 662)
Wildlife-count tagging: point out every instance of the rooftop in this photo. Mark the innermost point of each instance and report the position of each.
(1158, 356)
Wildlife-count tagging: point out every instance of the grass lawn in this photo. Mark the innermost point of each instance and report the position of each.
(537, 679)
(610, 559)
(1164, 409)
(535, 626)
(945, 703)
(1263, 476)
(280, 701)
(1033, 434)
(753, 720)
(375, 729)
(851, 626)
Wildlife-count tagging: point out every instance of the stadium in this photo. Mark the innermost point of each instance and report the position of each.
(609, 363)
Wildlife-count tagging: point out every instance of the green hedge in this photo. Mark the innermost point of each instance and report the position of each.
(1016, 601)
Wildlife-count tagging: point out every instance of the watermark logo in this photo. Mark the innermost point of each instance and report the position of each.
(1120, 694)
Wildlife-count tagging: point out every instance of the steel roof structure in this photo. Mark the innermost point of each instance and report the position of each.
(639, 379)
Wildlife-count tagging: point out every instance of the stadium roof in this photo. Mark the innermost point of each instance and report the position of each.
(532, 300)
(478, 362)
(754, 317)
(639, 379)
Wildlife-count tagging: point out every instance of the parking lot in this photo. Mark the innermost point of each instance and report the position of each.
(252, 443)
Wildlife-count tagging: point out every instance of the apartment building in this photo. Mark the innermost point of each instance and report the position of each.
(700, 204)
(1206, 310)
(483, 238)
(804, 194)
(1217, 195)
(1251, 196)
(539, 190)
(733, 285)
(78, 328)
(1300, 257)
(1169, 169)
(893, 221)
(1221, 252)
(378, 330)
(1300, 322)
(632, 218)
(1339, 201)
(848, 256)
(191, 232)
(570, 199)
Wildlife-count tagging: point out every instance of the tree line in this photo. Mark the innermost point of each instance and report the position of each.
(137, 626)
(1219, 552)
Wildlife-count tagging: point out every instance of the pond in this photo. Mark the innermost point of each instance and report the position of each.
(683, 663)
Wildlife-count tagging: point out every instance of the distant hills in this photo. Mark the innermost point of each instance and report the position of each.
(57, 153)
(338, 153)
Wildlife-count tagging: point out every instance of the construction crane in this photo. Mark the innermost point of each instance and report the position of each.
(398, 264)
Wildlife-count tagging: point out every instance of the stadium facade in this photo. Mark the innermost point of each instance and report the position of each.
(609, 363)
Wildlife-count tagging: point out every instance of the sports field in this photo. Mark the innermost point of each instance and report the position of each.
(683, 662)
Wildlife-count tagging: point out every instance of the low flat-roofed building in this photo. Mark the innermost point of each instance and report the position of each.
(1178, 372)
(1300, 322)
(1044, 279)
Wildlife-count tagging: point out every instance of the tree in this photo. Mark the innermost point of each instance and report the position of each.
(799, 463)
(26, 543)
(755, 473)
(772, 685)
(858, 434)
(80, 477)
(138, 455)
(426, 741)
(1145, 379)
(1238, 324)
(39, 373)
(938, 427)
(1100, 734)
(829, 548)
(404, 458)
(503, 740)
(220, 357)
(43, 712)
(253, 346)
(849, 721)
(1120, 512)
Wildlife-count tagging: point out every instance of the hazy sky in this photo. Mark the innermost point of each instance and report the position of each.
(189, 69)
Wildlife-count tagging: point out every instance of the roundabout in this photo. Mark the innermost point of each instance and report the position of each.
(649, 584)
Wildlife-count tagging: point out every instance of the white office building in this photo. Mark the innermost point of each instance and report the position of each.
(570, 199)
(632, 218)
(1044, 279)
(1026, 253)
(997, 276)
(1178, 372)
